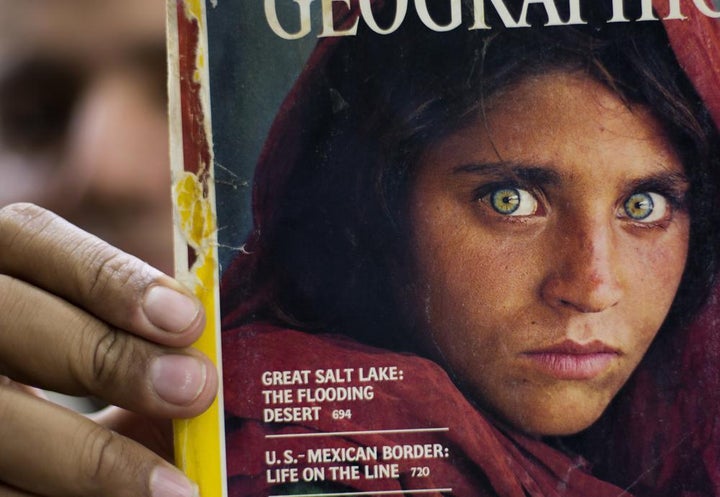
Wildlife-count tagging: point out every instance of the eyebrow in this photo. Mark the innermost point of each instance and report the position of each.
(672, 182)
(665, 181)
(534, 174)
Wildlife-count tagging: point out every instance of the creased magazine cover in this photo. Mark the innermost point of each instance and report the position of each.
(451, 247)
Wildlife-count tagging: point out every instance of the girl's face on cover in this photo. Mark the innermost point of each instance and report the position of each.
(550, 238)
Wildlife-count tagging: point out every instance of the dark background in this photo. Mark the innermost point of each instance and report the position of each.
(251, 70)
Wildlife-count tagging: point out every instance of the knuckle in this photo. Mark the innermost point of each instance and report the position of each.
(108, 356)
(105, 358)
(107, 267)
(105, 270)
(100, 455)
(110, 464)
(110, 363)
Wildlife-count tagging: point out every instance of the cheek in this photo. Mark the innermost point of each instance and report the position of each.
(655, 270)
(651, 282)
(470, 284)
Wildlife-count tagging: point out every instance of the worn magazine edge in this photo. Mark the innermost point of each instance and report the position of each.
(200, 441)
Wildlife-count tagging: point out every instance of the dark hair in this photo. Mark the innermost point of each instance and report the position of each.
(338, 240)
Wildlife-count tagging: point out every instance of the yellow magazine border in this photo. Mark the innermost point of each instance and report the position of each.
(199, 442)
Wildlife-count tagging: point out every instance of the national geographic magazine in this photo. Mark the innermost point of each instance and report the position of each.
(451, 247)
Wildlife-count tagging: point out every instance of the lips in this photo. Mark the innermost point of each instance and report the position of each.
(573, 361)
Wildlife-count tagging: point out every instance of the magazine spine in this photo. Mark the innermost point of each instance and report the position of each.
(199, 442)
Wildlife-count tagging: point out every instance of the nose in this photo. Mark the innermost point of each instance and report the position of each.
(118, 143)
(585, 274)
(119, 140)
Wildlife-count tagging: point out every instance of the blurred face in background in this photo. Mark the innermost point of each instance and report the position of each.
(83, 127)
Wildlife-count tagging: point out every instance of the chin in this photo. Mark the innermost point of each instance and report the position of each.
(551, 413)
(559, 427)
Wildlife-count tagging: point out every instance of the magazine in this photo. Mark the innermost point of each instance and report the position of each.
(451, 247)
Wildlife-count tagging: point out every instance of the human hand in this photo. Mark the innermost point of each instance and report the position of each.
(81, 317)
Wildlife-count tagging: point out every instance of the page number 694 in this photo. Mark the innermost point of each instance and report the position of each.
(342, 414)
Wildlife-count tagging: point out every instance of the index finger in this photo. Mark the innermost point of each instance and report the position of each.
(43, 249)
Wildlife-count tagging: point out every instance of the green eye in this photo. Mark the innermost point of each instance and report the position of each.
(510, 201)
(646, 207)
(639, 206)
(505, 201)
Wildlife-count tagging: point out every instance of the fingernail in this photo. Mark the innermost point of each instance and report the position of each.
(167, 482)
(170, 310)
(178, 379)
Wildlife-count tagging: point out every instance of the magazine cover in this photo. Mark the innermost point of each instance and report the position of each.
(451, 247)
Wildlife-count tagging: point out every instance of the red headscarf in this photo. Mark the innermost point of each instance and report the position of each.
(667, 433)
